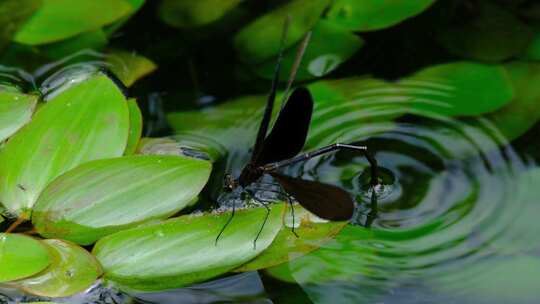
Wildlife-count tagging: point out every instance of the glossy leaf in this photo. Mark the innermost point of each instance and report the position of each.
(13, 14)
(60, 19)
(94, 40)
(84, 122)
(72, 270)
(21, 256)
(130, 67)
(187, 13)
(491, 34)
(320, 57)
(458, 88)
(16, 110)
(182, 251)
(135, 126)
(312, 232)
(260, 40)
(101, 197)
(178, 147)
(371, 15)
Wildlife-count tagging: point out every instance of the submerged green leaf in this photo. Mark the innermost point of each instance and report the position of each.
(60, 19)
(72, 270)
(21, 256)
(188, 13)
(459, 88)
(95, 40)
(183, 251)
(135, 126)
(16, 110)
(104, 196)
(320, 57)
(129, 66)
(84, 122)
(13, 14)
(370, 15)
(259, 40)
(491, 34)
(522, 113)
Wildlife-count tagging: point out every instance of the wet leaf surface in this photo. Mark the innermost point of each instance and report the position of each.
(84, 122)
(16, 110)
(135, 126)
(182, 251)
(21, 256)
(104, 196)
(188, 14)
(130, 67)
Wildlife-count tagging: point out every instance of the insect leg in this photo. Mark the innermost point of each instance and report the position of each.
(227, 223)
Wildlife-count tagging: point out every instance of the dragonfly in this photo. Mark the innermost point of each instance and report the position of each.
(282, 147)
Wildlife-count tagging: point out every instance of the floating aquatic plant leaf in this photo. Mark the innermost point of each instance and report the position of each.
(60, 19)
(104, 196)
(175, 146)
(13, 14)
(72, 270)
(458, 89)
(259, 40)
(370, 15)
(491, 34)
(94, 40)
(84, 122)
(312, 233)
(182, 251)
(21, 256)
(135, 7)
(129, 66)
(15, 111)
(135, 126)
(188, 14)
(320, 57)
(522, 113)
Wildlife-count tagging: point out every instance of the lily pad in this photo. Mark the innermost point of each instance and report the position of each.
(183, 251)
(328, 48)
(312, 232)
(21, 256)
(13, 14)
(371, 15)
(104, 196)
(130, 67)
(459, 88)
(84, 122)
(135, 126)
(16, 110)
(60, 19)
(72, 270)
(492, 34)
(188, 14)
(259, 40)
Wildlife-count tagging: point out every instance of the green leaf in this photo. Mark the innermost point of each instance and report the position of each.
(21, 256)
(95, 40)
(458, 89)
(328, 48)
(491, 34)
(72, 270)
(188, 14)
(371, 15)
(522, 113)
(16, 110)
(182, 251)
(533, 50)
(104, 196)
(135, 126)
(135, 7)
(312, 232)
(13, 14)
(259, 40)
(60, 19)
(130, 67)
(84, 122)
(179, 147)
